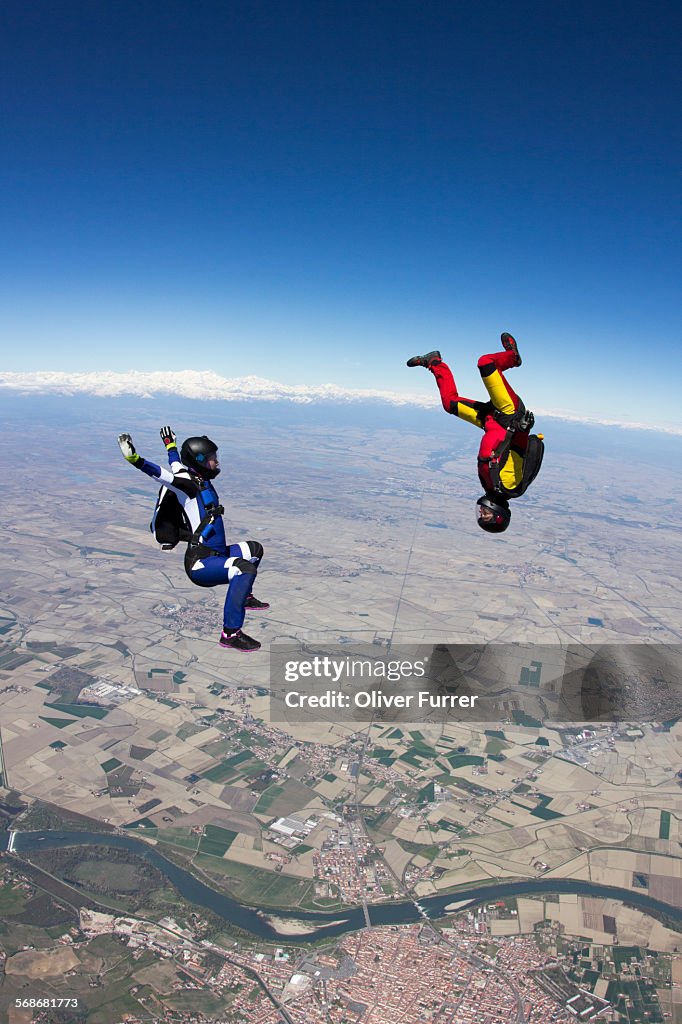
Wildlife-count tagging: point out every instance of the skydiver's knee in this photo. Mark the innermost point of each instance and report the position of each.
(245, 567)
(486, 366)
(256, 550)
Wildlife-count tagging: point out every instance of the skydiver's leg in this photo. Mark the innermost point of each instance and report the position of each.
(241, 585)
(243, 559)
(252, 550)
(454, 403)
(237, 571)
(491, 368)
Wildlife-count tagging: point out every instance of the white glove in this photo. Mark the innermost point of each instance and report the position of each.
(125, 443)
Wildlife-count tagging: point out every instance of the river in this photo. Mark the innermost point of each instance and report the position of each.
(330, 924)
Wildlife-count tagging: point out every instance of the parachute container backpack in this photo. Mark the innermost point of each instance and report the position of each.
(531, 462)
(169, 523)
(523, 420)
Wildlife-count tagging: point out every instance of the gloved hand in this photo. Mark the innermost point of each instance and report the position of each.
(168, 437)
(527, 421)
(125, 443)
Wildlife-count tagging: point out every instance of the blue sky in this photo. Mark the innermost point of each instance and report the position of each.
(314, 191)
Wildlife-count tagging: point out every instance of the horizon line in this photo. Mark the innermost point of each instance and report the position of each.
(209, 386)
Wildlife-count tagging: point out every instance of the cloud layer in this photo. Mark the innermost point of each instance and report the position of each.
(210, 386)
(200, 384)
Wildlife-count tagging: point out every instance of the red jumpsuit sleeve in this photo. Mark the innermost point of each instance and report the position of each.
(493, 435)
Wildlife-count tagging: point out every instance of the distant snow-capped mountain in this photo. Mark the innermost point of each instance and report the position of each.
(210, 386)
(202, 384)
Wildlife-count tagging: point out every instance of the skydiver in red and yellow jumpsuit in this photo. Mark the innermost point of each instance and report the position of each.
(500, 464)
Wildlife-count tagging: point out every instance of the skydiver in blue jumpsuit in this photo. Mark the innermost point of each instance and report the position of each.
(188, 509)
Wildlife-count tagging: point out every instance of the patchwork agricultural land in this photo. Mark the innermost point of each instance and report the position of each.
(121, 716)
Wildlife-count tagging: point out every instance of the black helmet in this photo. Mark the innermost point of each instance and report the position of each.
(501, 514)
(194, 453)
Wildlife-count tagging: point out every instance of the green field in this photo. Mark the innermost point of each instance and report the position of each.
(180, 837)
(462, 760)
(222, 771)
(383, 755)
(268, 798)
(664, 826)
(58, 723)
(521, 718)
(495, 745)
(380, 752)
(12, 901)
(426, 794)
(257, 887)
(216, 840)
(429, 851)
(188, 729)
(79, 710)
(110, 765)
(450, 826)
(115, 877)
(421, 749)
(10, 660)
(543, 811)
(218, 748)
(417, 753)
(51, 646)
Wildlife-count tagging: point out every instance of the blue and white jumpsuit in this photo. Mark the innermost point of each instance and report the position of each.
(209, 560)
